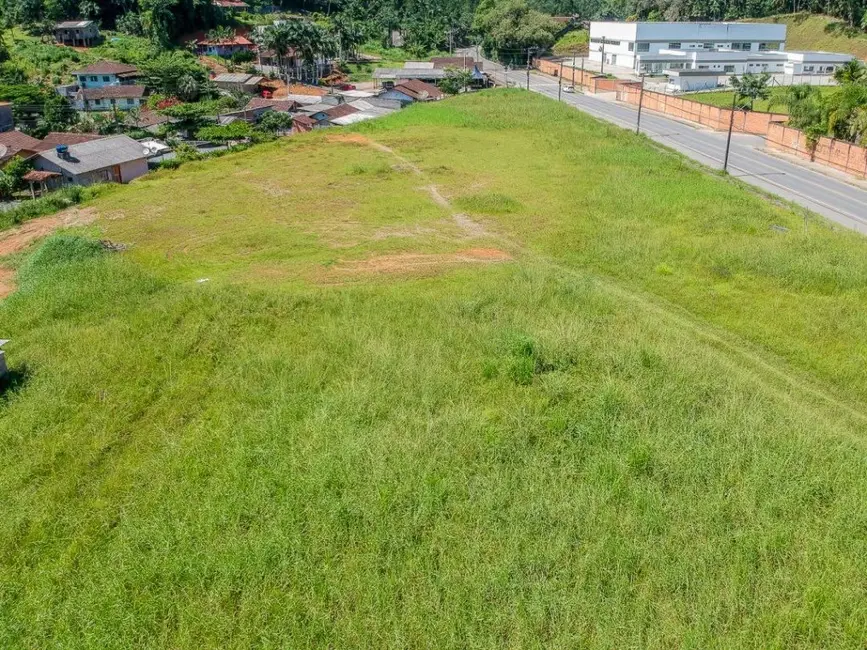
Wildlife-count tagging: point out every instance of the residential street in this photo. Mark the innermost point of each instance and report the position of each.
(826, 194)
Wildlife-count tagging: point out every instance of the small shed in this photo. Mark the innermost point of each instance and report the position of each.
(247, 83)
(41, 182)
(77, 33)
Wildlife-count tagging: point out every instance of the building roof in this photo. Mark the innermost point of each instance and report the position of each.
(231, 4)
(148, 118)
(21, 142)
(34, 176)
(237, 78)
(466, 62)
(97, 154)
(341, 110)
(311, 109)
(55, 138)
(237, 39)
(410, 73)
(361, 116)
(258, 103)
(113, 92)
(419, 89)
(73, 24)
(108, 67)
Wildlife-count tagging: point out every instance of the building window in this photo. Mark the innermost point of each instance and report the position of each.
(728, 68)
(631, 47)
(129, 102)
(766, 47)
(106, 78)
(704, 67)
(93, 79)
(808, 68)
(743, 47)
(707, 46)
(642, 47)
(674, 46)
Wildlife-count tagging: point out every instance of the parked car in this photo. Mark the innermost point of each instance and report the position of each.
(346, 87)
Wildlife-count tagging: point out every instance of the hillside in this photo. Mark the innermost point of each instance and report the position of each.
(484, 373)
(823, 33)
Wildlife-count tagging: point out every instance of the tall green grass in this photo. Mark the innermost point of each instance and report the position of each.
(644, 431)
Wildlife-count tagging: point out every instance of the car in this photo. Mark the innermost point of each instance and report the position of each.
(346, 87)
(569, 89)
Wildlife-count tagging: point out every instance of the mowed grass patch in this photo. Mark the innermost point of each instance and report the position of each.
(581, 445)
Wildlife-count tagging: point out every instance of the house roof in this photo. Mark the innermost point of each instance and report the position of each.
(21, 141)
(113, 92)
(96, 154)
(55, 138)
(108, 67)
(237, 78)
(73, 24)
(258, 103)
(341, 110)
(201, 38)
(303, 120)
(361, 116)
(312, 109)
(419, 89)
(148, 118)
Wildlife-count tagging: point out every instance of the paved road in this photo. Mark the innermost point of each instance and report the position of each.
(835, 199)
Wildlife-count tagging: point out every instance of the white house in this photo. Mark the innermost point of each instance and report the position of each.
(110, 98)
(625, 43)
(117, 159)
(815, 62)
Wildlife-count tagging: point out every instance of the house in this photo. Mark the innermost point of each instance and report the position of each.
(105, 73)
(731, 62)
(110, 98)
(117, 159)
(419, 90)
(305, 123)
(805, 63)
(241, 81)
(624, 44)
(225, 47)
(148, 120)
(15, 143)
(393, 95)
(80, 33)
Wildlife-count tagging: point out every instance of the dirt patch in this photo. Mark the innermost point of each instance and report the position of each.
(7, 282)
(416, 264)
(20, 238)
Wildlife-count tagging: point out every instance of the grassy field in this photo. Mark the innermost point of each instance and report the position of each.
(815, 32)
(774, 104)
(484, 373)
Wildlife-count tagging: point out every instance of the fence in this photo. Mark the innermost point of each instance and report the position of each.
(846, 157)
(714, 117)
(590, 80)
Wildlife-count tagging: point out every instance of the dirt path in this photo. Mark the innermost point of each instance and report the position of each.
(17, 239)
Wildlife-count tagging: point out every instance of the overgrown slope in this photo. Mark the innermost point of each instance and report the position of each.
(484, 373)
(822, 33)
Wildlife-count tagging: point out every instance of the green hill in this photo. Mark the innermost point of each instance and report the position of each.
(815, 32)
(485, 373)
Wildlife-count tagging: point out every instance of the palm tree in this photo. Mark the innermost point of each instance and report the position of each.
(277, 38)
(220, 33)
(852, 72)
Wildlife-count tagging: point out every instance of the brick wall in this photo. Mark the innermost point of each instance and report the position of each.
(566, 72)
(712, 117)
(844, 156)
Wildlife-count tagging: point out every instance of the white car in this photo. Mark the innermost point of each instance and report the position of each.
(569, 89)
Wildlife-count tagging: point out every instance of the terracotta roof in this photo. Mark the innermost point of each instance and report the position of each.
(34, 176)
(419, 89)
(341, 110)
(107, 67)
(148, 118)
(22, 142)
(56, 138)
(201, 38)
(113, 92)
(284, 105)
(455, 62)
(303, 120)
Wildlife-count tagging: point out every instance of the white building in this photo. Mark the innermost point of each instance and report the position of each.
(814, 62)
(623, 44)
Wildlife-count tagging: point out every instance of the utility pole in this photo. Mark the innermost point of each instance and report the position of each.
(573, 73)
(729, 138)
(560, 85)
(602, 66)
(529, 50)
(640, 99)
(582, 71)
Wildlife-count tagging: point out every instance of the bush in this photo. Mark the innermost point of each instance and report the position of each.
(48, 204)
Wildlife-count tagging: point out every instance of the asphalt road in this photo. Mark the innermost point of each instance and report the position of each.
(824, 194)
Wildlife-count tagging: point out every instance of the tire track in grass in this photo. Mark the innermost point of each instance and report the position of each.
(764, 367)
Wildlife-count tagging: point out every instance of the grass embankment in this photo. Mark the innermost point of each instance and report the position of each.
(370, 428)
(574, 42)
(774, 104)
(816, 32)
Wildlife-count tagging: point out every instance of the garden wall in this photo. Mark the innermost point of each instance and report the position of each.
(843, 156)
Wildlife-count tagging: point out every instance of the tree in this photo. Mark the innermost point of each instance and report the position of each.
(752, 86)
(175, 73)
(348, 35)
(306, 38)
(851, 72)
(221, 33)
(509, 29)
(275, 122)
(12, 175)
(456, 80)
(158, 21)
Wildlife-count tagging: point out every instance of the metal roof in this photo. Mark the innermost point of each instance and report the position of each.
(361, 116)
(237, 78)
(73, 24)
(107, 67)
(409, 73)
(97, 154)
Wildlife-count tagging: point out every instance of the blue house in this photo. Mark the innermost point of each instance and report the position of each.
(396, 95)
(106, 73)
